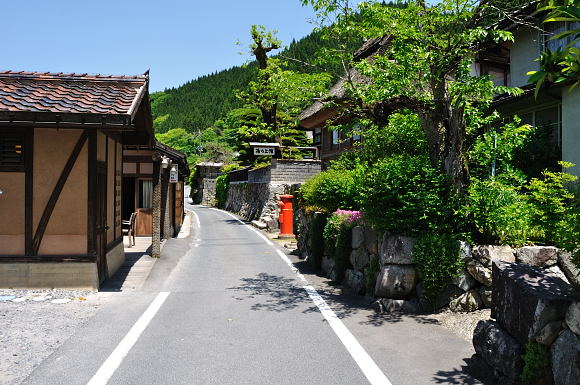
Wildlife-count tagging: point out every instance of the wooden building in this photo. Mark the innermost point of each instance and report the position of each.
(143, 166)
(61, 159)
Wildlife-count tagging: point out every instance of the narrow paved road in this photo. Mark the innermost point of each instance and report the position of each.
(232, 311)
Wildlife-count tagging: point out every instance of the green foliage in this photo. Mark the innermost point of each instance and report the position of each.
(423, 68)
(405, 194)
(181, 140)
(332, 189)
(499, 213)
(221, 190)
(437, 258)
(562, 65)
(199, 103)
(317, 240)
(402, 135)
(537, 364)
(338, 241)
(554, 209)
(495, 152)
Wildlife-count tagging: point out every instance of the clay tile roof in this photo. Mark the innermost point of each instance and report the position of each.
(22, 91)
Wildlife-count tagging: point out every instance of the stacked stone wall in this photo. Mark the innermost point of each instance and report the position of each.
(529, 289)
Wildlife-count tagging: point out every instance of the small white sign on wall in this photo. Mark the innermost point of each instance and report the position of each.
(174, 174)
(264, 151)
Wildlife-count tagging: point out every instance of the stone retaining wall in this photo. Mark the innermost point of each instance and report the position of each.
(252, 201)
(528, 288)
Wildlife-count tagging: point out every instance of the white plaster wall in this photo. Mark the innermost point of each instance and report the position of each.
(571, 129)
(523, 53)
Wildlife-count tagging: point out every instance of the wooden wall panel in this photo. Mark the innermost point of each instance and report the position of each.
(111, 156)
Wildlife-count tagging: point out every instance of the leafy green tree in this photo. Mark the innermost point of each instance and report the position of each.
(183, 141)
(562, 65)
(279, 94)
(423, 68)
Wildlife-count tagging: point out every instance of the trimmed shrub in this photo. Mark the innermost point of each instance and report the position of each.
(499, 213)
(221, 190)
(407, 195)
(437, 260)
(338, 239)
(331, 190)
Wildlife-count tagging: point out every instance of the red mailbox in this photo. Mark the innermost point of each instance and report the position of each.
(286, 216)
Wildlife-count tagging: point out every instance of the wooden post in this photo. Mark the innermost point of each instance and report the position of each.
(164, 198)
(156, 237)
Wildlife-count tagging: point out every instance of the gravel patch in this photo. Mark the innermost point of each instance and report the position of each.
(34, 323)
(462, 324)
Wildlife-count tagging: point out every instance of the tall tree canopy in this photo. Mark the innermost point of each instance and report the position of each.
(424, 67)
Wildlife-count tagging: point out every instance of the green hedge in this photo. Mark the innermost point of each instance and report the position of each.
(221, 190)
(407, 195)
(331, 190)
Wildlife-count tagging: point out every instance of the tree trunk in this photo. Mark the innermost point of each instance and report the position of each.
(444, 127)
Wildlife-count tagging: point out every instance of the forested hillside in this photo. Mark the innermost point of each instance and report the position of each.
(197, 104)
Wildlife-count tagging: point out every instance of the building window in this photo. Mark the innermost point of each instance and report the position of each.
(11, 151)
(335, 137)
(555, 28)
(145, 194)
(544, 149)
(356, 132)
(317, 138)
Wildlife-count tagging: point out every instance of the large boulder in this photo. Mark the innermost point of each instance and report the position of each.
(566, 263)
(526, 299)
(566, 359)
(549, 333)
(537, 255)
(327, 265)
(388, 305)
(573, 317)
(478, 271)
(359, 258)
(448, 294)
(485, 295)
(396, 281)
(557, 272)
(501, 351)
(464, 251)
(354, 282)
(371, 241)
(467, 302)
(396, 249)
(486, 254)
(464, 280)
(358, 237)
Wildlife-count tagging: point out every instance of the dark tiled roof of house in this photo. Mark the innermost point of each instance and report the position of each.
(70, 92)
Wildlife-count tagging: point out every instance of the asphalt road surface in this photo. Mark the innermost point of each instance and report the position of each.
(225, 306)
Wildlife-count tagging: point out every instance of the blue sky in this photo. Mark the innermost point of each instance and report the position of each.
(177, 40)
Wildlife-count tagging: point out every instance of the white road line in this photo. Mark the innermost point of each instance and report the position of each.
(291, 265)
(109, 367)
(370, 369)
(196, 218)
(365, 362)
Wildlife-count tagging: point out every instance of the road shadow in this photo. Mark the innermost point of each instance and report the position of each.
(475, 371)
(115, 283)
(277, 293)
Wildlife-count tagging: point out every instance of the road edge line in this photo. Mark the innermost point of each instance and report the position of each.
(364, 361)
(367, 365)
(112, 363)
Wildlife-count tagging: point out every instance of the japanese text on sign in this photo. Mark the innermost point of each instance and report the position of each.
(264, 151)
